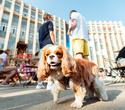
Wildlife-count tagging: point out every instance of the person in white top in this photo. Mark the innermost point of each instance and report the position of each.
(79, 35)
(10, 70)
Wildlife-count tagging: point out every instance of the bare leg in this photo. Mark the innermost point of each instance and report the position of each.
(12, 70)
(79, 56)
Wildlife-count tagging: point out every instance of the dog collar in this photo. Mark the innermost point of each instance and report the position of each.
(65, 81)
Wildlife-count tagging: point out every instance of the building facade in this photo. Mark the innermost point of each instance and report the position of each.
(21, 22)
(105, 40)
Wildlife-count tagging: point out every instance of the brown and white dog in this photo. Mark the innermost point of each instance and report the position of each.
(58, 63)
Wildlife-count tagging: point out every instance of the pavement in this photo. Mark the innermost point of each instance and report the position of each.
(28, 98)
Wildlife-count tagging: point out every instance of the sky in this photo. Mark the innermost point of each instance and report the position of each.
(92, 10)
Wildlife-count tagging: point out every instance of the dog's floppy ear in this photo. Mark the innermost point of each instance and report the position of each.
(68, 63)
(43, 67)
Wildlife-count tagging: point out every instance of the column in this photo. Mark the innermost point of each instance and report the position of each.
(59, 31)
(35, 32)
(19, 25)
(28, 24)
(43, 12)
(54, 24)
(9, 26)
(2, 9)
(113, 37)
(109, 42)
(64, 30)
(93, 44)
(99, 47)
(71, 50)
(118, 36)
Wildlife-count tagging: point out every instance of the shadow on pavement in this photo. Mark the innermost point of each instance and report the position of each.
(112, 94)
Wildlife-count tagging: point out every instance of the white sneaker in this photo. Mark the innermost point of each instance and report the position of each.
(49, 87)
(67, 88)
(40, 87)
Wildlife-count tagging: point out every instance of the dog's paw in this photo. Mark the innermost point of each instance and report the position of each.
(56, 102)
(104, 98)
(87, 97)
(76, 105)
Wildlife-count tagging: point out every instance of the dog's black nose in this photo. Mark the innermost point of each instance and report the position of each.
(51, 57)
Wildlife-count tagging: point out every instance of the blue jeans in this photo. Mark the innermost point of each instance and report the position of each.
(1, 67)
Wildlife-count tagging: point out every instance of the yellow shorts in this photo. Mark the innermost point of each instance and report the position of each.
(80, 46)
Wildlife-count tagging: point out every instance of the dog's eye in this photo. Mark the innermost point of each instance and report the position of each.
(47, 54)
(58, 53)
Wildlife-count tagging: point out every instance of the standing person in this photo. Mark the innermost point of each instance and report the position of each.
(46, 38)
(5, 68)
(79, 30)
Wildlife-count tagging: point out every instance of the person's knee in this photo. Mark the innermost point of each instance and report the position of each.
(15, 68)
(79, 55)
(13, 71)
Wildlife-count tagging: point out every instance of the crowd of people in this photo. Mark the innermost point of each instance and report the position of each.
(79, 35)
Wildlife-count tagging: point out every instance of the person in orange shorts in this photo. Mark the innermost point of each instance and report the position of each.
(79, 30)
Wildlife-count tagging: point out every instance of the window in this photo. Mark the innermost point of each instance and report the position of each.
(61, 25)
(25, 10)
(31, 27)
(11, 44)
(57, 37)
(13, 31)
(1, 42)
(38, 26)
(17, 7)
(15, 20)
(30, 46)
(99, 29)
(25, 6)
(57, 23)
(33, 13)
(3, 28)
(62, 39)
(101, 46)
(5, 18)
(39, 16)
(37, 47)
(24, 23)
(22, 33)
(0, 1)
(7, 4)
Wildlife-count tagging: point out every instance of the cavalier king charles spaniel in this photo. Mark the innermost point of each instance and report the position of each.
(80, 74)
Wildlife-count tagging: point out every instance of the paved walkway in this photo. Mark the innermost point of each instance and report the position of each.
(22, 98)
